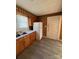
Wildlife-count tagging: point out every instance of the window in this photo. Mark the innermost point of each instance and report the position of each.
(22, 22)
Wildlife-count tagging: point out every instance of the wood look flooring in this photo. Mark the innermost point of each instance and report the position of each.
(43, 49)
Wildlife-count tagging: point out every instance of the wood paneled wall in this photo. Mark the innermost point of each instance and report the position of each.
(34, 18)
(23, 12)
(44, 20)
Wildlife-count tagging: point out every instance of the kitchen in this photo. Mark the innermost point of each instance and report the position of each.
(32, 29)
(58, 29)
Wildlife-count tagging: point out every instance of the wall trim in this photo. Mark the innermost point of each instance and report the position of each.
(52, 14)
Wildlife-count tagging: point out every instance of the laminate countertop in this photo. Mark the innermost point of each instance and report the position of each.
(28, 32)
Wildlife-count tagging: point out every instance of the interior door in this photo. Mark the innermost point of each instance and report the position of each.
(52, 27)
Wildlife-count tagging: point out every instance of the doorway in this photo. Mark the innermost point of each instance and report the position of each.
(53, 27)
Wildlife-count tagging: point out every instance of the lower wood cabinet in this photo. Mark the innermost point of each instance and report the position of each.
(24, 42)
(19, 46)
(32, 37)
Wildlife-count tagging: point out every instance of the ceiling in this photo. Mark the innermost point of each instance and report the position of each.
(40, 7)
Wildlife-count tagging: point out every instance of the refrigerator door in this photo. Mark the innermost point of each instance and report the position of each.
(37, 26)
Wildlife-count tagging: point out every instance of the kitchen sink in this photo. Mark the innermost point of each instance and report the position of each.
(17, 35)
(24, 33)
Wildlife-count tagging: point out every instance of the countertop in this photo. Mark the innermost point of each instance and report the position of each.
(28, 32)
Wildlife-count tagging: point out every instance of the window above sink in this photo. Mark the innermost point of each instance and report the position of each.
(22, 23)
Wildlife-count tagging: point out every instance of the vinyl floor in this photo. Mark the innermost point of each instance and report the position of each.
(43, 49)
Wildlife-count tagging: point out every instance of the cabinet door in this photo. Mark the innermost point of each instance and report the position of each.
(19, 46)
(32, 36)
(27, 41)
(21, 41)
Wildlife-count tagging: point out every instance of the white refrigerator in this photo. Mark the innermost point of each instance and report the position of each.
(38, 27)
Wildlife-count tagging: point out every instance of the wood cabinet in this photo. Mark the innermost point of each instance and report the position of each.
(24, 42)
(19, 46)
(32, 37)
